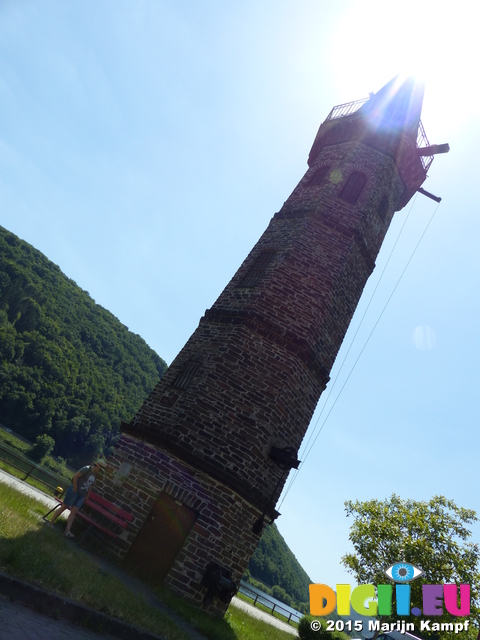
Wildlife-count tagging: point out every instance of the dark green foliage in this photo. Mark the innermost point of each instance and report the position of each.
(274, 564)
(43, 446)
(281, 594)
(68, 367)
(306, 632)
(58, 466)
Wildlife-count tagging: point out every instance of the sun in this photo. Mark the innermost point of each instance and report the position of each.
(434, 42)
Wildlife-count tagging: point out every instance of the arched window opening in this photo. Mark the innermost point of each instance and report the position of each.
(257, 269)
(187, 372)
(318, 176)
(353, 187)
(383, 207)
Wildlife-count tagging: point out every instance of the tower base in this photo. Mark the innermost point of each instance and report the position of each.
(184, 521)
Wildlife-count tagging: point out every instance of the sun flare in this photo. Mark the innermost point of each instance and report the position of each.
(430, 41)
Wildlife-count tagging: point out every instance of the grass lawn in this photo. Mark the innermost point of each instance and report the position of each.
(236, 625)
(244, 626)
(50, 464)
(32, 551)
(13, 441)
(21, 475)
(268, 610)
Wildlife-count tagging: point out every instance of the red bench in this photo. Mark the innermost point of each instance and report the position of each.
(107, 509)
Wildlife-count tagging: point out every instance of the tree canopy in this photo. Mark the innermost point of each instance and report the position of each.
(68, 368)
(430, 535)
(70, 372)
(274, 564)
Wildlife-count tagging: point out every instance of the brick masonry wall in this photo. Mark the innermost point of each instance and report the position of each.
(265, 351)
(222, 530)
(251, 375)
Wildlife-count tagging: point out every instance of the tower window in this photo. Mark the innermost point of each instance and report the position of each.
(257, 269)
(383, 207)
(317, 177)
(353, 187)
(186, 374)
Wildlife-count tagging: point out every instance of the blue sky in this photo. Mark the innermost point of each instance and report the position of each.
(144, 148)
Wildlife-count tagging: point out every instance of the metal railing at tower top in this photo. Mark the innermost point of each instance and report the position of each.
(349, 108)
(346, 109)
(422, 141)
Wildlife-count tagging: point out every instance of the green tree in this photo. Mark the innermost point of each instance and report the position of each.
(42, 447)
(319, 631)
(281, 594)
(431, 535)
(273, 563)
(68, 367)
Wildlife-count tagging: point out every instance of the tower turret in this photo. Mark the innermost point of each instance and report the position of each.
(210, 448)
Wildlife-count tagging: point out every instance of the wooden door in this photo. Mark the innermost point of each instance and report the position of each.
(160, 539)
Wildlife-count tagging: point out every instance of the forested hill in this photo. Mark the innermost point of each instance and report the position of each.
(274, 564)
(68, 367)
(71, 370)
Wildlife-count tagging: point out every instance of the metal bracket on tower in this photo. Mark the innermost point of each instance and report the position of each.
(285, 458)
(428, 194)
(433, 149)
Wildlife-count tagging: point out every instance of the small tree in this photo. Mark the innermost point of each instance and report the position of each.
(42, 447)
(319, 631)
(281, 594)
(431, 535)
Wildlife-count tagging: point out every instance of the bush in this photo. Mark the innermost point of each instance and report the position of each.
(303, 607)
(42, 447)
(306, 632)
(281, 594)
(57, 465)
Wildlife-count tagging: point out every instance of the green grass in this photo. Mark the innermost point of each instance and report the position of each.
(36, 553)
(21, 475)
(17, 456)
(236, 625)
(268, 610)
(13, 441)
(248, 628)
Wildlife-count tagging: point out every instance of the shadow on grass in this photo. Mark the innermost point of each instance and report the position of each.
(34, 552)
(39, 554)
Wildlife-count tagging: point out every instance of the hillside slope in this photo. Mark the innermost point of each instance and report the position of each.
(71, 370)
(68, 367)
(273, 563)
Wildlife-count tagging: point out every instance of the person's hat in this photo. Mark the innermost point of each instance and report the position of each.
(102, 464)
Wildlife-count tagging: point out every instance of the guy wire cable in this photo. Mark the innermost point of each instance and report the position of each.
(361, 322)
(364, 346)
(305, 446)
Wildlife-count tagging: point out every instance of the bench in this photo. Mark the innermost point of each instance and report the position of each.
(107, 509)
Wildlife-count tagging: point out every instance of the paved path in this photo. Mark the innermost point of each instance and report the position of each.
(16, 620)
(19, 623)
(261, 615)
(135, 585)
(26, 488)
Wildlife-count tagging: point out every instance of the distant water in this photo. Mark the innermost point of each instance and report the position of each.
(269, 601)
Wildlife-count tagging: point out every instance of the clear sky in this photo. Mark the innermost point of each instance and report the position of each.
(144, 148)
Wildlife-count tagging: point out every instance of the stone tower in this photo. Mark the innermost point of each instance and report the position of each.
(208, 453)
